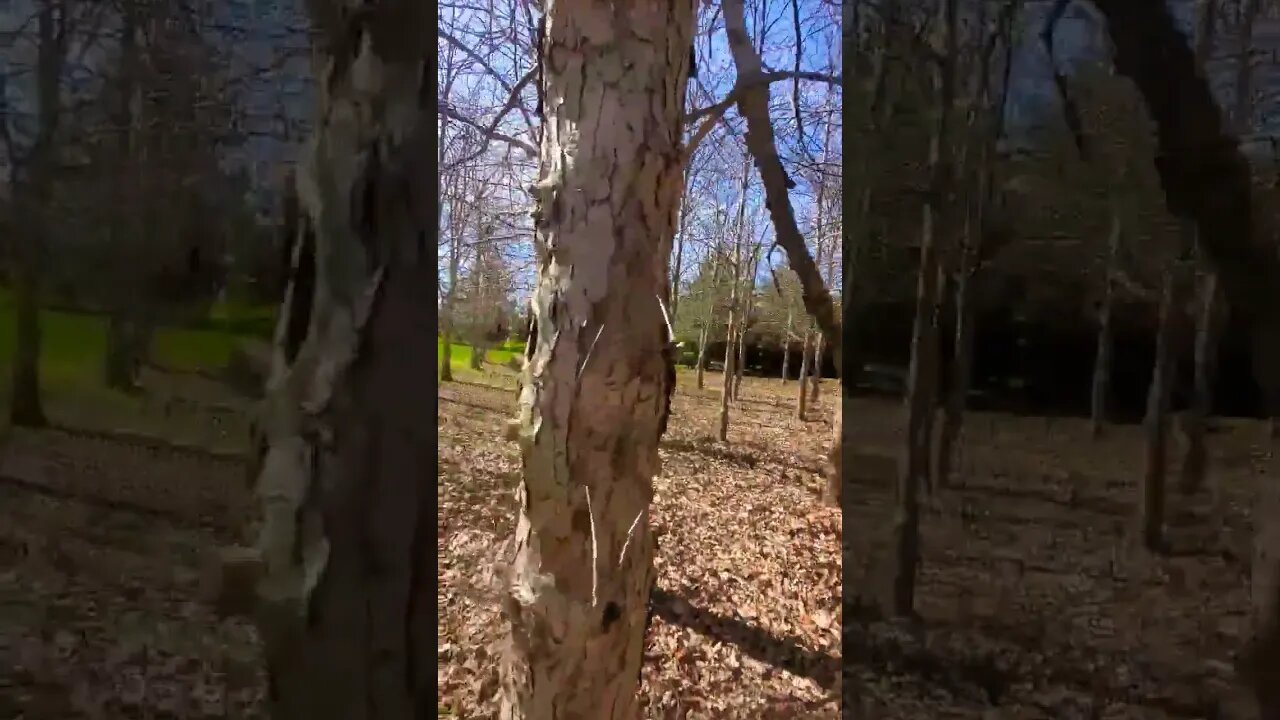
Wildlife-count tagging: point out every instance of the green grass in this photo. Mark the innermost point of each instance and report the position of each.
(460, 354)
(73, 349)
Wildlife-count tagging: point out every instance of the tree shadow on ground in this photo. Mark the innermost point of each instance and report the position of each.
(475, 406)
(481, 385)
(1096, 504)
(710, 448)
(781, 652)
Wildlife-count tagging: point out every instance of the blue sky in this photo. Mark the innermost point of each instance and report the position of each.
(716, 73)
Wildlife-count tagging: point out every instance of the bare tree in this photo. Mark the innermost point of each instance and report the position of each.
(578, 585)
(1210, 315)
(735, 287)
(922, 372)
(33, 181)
(1172, 300)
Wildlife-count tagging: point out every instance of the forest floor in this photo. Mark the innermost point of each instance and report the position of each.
(103, 537)
(1034, 600)
(747, 602)
(1034, 603)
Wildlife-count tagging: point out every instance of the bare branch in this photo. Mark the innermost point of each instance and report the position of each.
(713, 113)
(491, 130)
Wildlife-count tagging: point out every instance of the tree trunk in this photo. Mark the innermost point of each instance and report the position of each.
(726, 380)
(740, 362)
(447, 317)
(815, 372)
(1195, 462)
(702, 355)
(962, 364)
(128, 342)
(786, 348)
(123, 352)
(802, 396)
(1156, 423)
(675, 274)
(344, 545)
(753, 105)
(731, 330)
(1100, 388)
(834, 466)
(921, 373)
(33, 196)
(596, 393)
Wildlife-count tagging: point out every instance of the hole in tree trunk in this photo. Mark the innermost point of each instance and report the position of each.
(611, 614)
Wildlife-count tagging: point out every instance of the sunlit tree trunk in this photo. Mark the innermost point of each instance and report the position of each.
(802, 394)
(703, 337)
(679, 262)
(732, 330)
(741, 362)
(343, 607)
(449, 308)
(815, 372)
(596, 391)
(786, 347)
(730, 370)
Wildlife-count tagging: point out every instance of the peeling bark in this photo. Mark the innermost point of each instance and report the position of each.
(342, 606)
(596, 392)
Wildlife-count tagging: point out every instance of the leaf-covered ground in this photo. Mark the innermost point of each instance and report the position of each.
(101, 547)
(747, 603)
(1034, 600)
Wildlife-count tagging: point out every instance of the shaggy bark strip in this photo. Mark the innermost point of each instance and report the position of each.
(345, 425)
(596, 390)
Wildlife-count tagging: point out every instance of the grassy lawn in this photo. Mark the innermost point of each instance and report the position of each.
(72, 355)
(460, 355)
